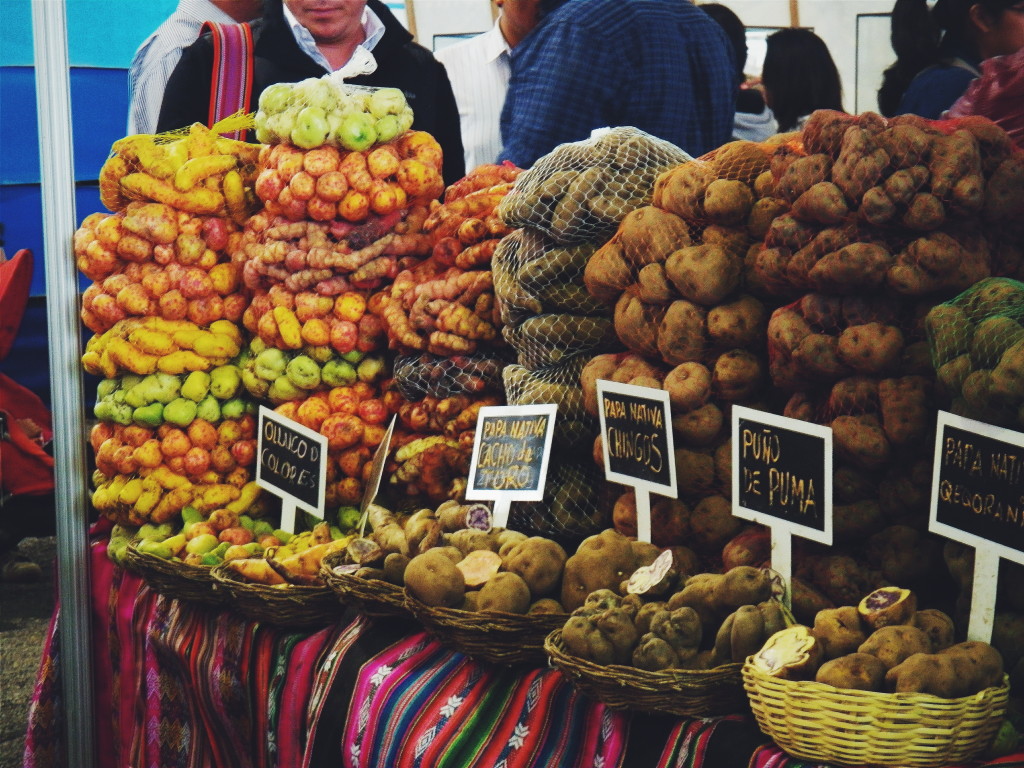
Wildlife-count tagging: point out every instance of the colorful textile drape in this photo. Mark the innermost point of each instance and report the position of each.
(184, 686)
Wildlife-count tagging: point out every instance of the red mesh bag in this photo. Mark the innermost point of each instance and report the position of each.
(997, 95)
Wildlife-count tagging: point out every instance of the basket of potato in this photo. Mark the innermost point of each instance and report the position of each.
(665, 642)
(879, 683)
(489, 594)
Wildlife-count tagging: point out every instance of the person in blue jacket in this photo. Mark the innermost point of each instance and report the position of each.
(938, 51)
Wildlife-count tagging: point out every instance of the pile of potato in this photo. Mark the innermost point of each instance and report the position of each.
(865, 204)
(977, 343)
(661, 618)
(882, 644)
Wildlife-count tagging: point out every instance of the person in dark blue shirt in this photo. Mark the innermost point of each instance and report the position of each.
(939, 51)
(663, 66)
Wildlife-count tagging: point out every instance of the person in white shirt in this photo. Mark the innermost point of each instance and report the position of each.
(479, 72)
(159, 53)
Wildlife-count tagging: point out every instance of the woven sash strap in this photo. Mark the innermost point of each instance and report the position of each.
(231, 86)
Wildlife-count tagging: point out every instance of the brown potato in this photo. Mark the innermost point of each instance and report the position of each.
(860, 671)
(704, 274)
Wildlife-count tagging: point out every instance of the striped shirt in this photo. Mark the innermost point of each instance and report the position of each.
(159, 54)
(479, 70)
(663, 66)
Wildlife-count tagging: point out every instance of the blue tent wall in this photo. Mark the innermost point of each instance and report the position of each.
(99, 51)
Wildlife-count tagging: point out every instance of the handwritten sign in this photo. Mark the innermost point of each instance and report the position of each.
(782, 478)
(782, 472)
(292, 464)
(636, 441)
(978, 499)
(511, 449)
(636, 430)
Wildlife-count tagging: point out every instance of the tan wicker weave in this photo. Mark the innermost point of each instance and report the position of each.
(683, 692)
(193, 583)
(287, 605)
(501, 638)
(849, 727)
(372, 596)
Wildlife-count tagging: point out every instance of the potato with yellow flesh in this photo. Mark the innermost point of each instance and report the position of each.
(792, 653)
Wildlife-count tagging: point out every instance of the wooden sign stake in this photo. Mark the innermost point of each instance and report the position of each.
(977, 486)
(634, 416)
(511, 449)
(782, 478)
(291, 462)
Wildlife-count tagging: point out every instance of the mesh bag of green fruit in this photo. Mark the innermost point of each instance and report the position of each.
(327, 110)
(977, 346)
(579, 192)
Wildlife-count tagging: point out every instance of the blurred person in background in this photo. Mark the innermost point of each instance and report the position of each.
(663, 66)
(298, 39)
(479, 71)
(160, 52)
(798, 77)
(939, 51)
(997, 95)
(753, 121)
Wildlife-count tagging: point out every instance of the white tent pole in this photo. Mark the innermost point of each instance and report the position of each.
(53, 105)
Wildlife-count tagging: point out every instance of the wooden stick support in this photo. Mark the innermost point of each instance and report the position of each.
(983, 595)
(287, 516)
(782, 561)
(499, 515)
(643, 514)
(794, 13)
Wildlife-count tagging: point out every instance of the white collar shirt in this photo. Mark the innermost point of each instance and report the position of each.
(157, 57)
(479, 70)
(373, 31)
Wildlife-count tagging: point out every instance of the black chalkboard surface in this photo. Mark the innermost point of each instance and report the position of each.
(636, 436)
(292, 461)
(782, 472)
(511, 451)
(978, 484)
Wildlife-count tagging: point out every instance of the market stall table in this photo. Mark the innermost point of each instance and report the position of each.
(178, 684)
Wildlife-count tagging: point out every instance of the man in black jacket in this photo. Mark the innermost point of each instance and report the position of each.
(335, 28)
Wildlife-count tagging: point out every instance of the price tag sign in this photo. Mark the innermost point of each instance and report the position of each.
(782, 478)
(978, 499)
(511, 449)
(292, 464)
(636, 442)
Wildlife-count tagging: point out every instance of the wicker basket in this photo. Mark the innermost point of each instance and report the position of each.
(683, 692)
(171, 578)
(849, 727)
(372, 596)
(287, 605)
(501, 638)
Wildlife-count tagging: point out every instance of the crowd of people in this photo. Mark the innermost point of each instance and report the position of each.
(552, 71)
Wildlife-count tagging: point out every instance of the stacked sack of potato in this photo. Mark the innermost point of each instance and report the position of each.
(977, 348)
(882, 644)
(567, 205)
(174, 426)
(904, 205)
(674, 271)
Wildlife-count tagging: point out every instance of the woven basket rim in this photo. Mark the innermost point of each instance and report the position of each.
(823, 690)
(142, 560)
(471, 620)
(174, 579)
(224, 574)
(670, 678)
